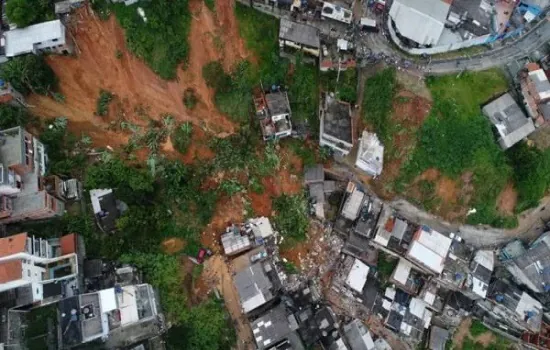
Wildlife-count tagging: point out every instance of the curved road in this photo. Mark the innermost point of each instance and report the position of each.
(537, 37)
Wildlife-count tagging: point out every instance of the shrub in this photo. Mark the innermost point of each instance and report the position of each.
(378, 100)
(215, 76)
(29, 73)
(103, 101)
(292, 219)
(211, 4)
(162, 40)
(190, 100)
(477, 328)
(181, 137)
(26, 12)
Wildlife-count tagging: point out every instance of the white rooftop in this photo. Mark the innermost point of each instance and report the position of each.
(357, 276)
(23, 40)
(353, 204)
(370, 157)
(479, 287)
(541, 83)
(422, 21)
(261, 227)
(95, 195)
(127, 305)
(485, 258)
(430, 248)
(402, 271)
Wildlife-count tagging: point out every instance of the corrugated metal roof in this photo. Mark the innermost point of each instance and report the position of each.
(422, 21)
(22, 40)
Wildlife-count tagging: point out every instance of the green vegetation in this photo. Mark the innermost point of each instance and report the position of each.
(11, 116)
(345, 88)
(211, 4)
(291, 218)
(290, 268)
(377, 103)
(118, 54)
(181, 137)
(234, 94)
(38, 335)
(26, 12)
(161, 40)
(190, 99)
(304, 93)
(29, 73)
(531, 168)
(456, 138)
(385, 266)
(103, 101)
(477, 328)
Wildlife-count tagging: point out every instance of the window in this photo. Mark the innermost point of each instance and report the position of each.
(29, 273)
(54, 40)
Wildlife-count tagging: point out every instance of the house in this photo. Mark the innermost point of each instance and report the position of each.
(472, 18)
(22, 165)
(438, 338)
(299, 37)
(46, 37)
(406, 277)
(510, 306)
(429, 250)
(358, 336)
(273, 112)
(530, 267)
(254, 286)
(11, 96)
(119, 316)
(421, 21)
(370, 156)
(509, 120)
(65, 190)
(276, 329)
(337, 54)
(393, 235)
(65, 6)
(240, 238)
(336, 130)
(409, 317)
(35, 270)
(317, 325)
(336, 13)
(357, 276)
(481, 272)
(535, 89)
(353, 202)
(106, 208)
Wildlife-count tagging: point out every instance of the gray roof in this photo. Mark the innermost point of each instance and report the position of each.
(253, 282)
(420, 20)
(478, 14)
(337, 121)
(274, 327)
(535, 262)
(509, 120)
(299, 33)
(358, 336)
(277, 103)
(12, 146)
(438, 338)
(314, 174)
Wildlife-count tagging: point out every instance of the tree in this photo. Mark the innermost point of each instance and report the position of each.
(11, 116)
(29, 73)
(215, 76)
(23, 12)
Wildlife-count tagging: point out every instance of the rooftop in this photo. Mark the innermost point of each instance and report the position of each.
(438, 338)
(276, 327)
(253, 286)
(299, 33)
(23, 40)
(509, 120)
(542, 85)
(358, 336)
(408, 278)
(105, 208)
(352, 204)
(422, 21)
(478, 15)
(357, 276)
(11, 271)
(336, 119)
(370, 156)
(277, 103)
(430, 249)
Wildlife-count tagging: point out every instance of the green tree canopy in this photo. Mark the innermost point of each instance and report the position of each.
(23, 12)
(30, 73)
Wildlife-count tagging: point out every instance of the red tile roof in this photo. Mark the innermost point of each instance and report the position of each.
(13, 244)
(11, 271)
(68, 244)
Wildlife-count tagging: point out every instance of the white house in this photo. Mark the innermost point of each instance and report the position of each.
(49, 36)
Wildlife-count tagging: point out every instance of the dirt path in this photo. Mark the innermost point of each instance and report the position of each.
(506, 201)
(461, 333)
(135, 86)
(217, 273)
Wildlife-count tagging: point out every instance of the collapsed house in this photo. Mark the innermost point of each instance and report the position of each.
(242, 237)
(370, 156)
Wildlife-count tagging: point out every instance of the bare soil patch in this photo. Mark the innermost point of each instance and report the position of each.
(228, 210)
(507, 199)
(461, 333)
(447, 189)
(173, 245)
(133, 83)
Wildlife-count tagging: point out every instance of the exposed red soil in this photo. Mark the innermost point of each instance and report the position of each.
(309, 252)
(173, 245)
(431, 174)
(132, 81)
(507, 200)
(447, 189)
(228, 210)
(198, 149)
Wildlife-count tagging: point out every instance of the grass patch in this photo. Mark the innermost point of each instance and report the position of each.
(377, 102)
(103, 101)
(290, 268)
(456, 138)
(211, 4)
(477, 328)
(291, 217)
(385, 266)
(346, 86)
(162, 40)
